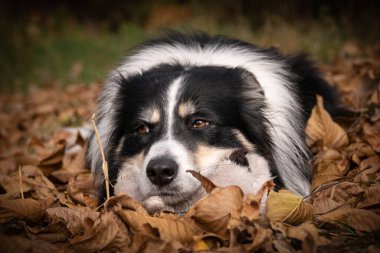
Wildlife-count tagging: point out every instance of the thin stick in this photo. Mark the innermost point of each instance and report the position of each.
(105, 164)
(20, 182)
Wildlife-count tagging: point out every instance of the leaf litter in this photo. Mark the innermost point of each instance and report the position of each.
(43, 144)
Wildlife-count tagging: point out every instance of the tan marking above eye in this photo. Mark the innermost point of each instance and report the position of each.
(155, 117)
(186, 109)
(150, 115)
(199, 123)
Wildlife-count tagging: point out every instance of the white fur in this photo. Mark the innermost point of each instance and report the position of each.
(283, 110)
(172, 102)
(250, 181)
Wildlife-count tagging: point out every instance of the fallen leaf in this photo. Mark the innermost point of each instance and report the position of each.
(55, 157)
(107, 233)
(169, 229)
(159, 246)
(200, 245)
(206, 183)
(30, 209)
(32, 180)
(324, 204)
(74, 168)
(358, 219)
(371, 197)
(373, 140)
(287, 207)
(323, 130)
(12, 244)
(212, 212)
(262, 239)
(77, 195)
(250, 207)
(307, 233)
(345, 191)
(53, 232)
(125, 202)
(73, 219)
(329, 165)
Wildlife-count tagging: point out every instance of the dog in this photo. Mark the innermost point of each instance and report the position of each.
(187, 102)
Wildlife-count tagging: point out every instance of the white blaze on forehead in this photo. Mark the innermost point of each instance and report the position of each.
(172, 102)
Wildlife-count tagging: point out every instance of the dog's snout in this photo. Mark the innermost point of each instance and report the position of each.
(162, 171)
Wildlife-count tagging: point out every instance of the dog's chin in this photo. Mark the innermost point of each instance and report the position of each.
(173, 201)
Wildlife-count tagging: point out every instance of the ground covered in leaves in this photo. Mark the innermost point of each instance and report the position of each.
(47, 202)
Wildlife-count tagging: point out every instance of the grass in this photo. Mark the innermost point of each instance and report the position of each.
(75, 53)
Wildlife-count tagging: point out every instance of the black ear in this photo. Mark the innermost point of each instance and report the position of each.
(253, 115)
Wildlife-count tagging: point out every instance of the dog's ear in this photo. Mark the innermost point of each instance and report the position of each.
(253, 115)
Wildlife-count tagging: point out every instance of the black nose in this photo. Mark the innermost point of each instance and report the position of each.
(161, 171)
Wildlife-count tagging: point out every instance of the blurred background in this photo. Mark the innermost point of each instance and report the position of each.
(56, 43)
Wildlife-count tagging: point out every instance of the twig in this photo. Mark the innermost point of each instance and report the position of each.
(20, 182)
(105, 164)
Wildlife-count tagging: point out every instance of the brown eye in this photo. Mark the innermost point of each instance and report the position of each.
(143, 129)
(199, 123)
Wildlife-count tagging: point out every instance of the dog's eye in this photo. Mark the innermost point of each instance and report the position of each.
(143, 129)
(199, 123)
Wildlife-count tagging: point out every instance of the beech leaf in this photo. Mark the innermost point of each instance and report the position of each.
(323, 130)
(289, 208)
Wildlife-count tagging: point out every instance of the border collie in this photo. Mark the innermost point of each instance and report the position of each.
(186, 102)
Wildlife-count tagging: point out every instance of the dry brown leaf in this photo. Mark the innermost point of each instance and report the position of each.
(323, 130)
(251, 207)
(125, 202)
(358, 151)
(32, 180)
(207, 184)
(159, 246)
(212, 212)
(56, 155)
(169, 228)
(77, 195)
(374, 141)
(368, 171)
(262, 239)
(107, 234)
(307, 233)
(329, 165)
(30, 209)
(324, 204)
(212, 241)
(287, 207)
(200, 245)
(52, 232)
(371, 197)
(74, 168)
(358, 219)
(74, 219)
(283, 246)
(345, 191)
(12, 244)
(54, 159)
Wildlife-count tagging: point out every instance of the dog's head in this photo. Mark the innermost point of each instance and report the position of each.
(171, 119)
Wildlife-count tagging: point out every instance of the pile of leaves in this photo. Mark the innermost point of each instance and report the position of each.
(47, 201)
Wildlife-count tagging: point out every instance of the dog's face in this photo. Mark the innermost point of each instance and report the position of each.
(171, 119)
